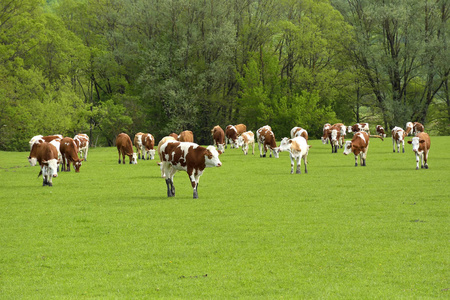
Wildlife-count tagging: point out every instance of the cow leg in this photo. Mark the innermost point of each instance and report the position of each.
(119, 157)
(169, 184)
(393, 144)
(425, 157)
(417, 161)
(403, 146)
(356, 160)
(305, 161)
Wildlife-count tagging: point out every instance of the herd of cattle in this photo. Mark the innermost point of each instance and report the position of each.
(178, 152)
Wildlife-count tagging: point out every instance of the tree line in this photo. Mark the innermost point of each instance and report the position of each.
(103, 67)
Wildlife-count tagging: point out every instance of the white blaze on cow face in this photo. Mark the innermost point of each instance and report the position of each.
(134, 159)
(415, 144)
(212, 157)
(285, 145)
(348, 147)
(32, 161)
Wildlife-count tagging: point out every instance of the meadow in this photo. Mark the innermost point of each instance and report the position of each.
(256, 231)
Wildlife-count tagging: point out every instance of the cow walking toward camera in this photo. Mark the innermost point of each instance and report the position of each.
(326, 130)
(298, 149)
(245, 140)
(359, 145)
(189, 157)
(47, 157)
(398, 137)
(69, 154)
(125, 147)
(421, 147)
(380, 131)
(161, 142)
(266, 142)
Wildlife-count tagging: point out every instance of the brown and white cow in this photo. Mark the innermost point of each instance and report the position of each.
(231, 136)
(69, 154)
(47, 157)
(245, 140)
(161, 142)
(298, 149)
(266, 141)
(186, 136)
(189, 157)
(218, 136)
(398, 137)
(380, 131)
(144, 143)
(359, 127)
(421, 146)
(414, 128)
(82, 141)
(326, 130)
(334, 135)
(359, 145)
(137, 142)
(342, 133)
(125, 147)
(52, 139)
(298, 131)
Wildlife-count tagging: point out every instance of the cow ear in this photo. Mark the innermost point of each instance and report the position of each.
(220, 152)
(409, 142)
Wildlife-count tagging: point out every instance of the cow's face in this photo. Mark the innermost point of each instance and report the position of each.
(285, 144)
(77, 165)
(334, 136)
(50, 168)
(221, 147)
(32, 161)
(349, 129)
(212, 157)
(134, 159)
(152, 153)
(276, 152)
(416, 144)
(240, 141)
(348, 147)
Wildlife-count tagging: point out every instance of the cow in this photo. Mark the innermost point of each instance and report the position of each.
(326, 129)
(421, 146)
(189, 157)
(398, 137)
(144, 143)
(137, 141)
(231, 136)
(298, 131)
(359, 146)
(342, 133)
(414, 128)
(161, 142)
(125, 147)
(380, 131)
(298, 149)
(186, 136)
(266, 141)
(69, 154)
(334, 135)
(358, 127)
(53, 139)
(240, 128)
(82, 141)
(218, 136)
(47, 156)
(245, 140)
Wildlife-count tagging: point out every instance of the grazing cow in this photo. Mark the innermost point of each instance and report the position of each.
(231, 136)
(161, 142)
(380, 131)
(186, 136)
(298, 148)
(144, 143)
(246, 139)
(298, 131)
(398, 136)
(82, 141)
(125, 147)
(47, 156)
(189, 157)
(69, 153)
(414, 128)
(421, 146)
(326, 129)
(359, 146)
(218, 136)
(266, 141)
(137, 141)
(342, 133)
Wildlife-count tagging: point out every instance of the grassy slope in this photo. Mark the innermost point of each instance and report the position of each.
(379, 231)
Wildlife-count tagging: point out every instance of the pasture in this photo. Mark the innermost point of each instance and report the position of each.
(256, 231)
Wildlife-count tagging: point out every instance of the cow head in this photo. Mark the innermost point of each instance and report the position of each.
(50, 168)
(152, 153)
(276, 152)
(134, 158)
(221, 147)
(285, 144)
(334, 137)
(77, 165)
(349, 129)
(416, 143)
(240, 141)
(212, 157)
(409, 128)
(348, 147)
(32, 161)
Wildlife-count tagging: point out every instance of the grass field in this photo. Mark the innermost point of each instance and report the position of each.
(256, 231)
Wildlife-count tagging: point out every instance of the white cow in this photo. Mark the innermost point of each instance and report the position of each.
(246, 139)
(298, 148)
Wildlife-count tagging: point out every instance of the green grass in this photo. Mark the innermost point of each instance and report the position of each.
(256, 231)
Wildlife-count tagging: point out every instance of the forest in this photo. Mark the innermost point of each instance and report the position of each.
(103, 67)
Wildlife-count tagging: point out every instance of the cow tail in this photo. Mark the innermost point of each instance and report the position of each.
(377, 136)
(40, 173)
